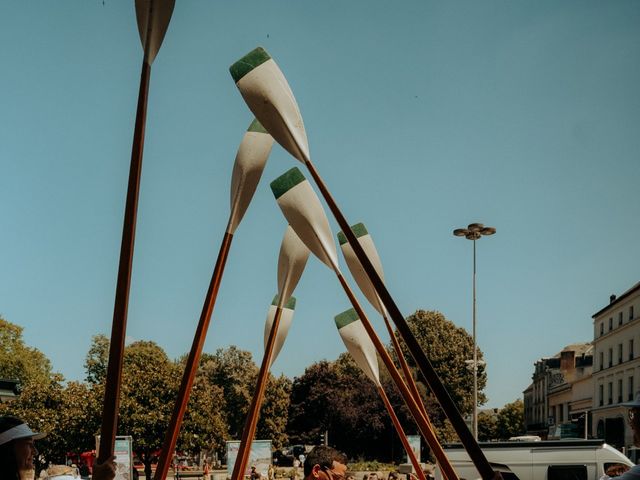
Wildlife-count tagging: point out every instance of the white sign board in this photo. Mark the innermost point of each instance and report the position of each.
(259, 457)
(414, 441)
(124, 456)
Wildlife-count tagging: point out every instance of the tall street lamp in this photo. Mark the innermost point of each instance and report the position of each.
(474, 232)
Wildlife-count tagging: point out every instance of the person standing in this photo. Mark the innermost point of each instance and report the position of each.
(325, 463)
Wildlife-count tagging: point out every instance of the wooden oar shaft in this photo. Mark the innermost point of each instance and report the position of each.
(414, 391)
(256, 402)
(397, 379)
(119, 326)
(403, 437)
(193, 360)
(435, 384)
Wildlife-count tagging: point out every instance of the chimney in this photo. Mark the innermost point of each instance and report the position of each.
(612, 298)
(567, 360)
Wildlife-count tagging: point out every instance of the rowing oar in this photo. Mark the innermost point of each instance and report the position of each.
(153, 19)
(302, 209)
(250, 161)
(267, 94)
(291, 262)
(363, 352)
(362, 280)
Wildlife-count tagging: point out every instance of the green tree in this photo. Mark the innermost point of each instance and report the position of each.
(487, 427)
(19, 361)
(233, 370)
(148, 393)
(510, 420)
(97, 359)
(447, 347)
(274, 412)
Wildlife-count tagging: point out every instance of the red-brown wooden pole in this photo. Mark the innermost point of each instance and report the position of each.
(254, 409)
(403, 437)
(119, 326)
(193, 360)
(414, 391)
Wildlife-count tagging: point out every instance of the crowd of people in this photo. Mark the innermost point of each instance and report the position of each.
(18, 451)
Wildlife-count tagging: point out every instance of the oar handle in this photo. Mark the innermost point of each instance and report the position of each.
(403, 437)
(256, 402)
(471, 445)
(193, 360)
(421, 421)
(119, 326)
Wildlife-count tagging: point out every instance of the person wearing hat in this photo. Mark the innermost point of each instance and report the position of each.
(634, 422)
(17, 452)
(16, 448)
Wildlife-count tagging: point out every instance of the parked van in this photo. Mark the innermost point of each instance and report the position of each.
(545, 460)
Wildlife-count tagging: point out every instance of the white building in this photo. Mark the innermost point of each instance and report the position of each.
(616, 366)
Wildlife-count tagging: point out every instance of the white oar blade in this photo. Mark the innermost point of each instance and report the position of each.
(153, 18)
(283, 327)
(303, 210)
(291, 262)
(360, 276)
(358, 343)
(267, 94)
(250, 162)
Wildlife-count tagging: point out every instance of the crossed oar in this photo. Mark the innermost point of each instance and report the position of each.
(153, 18)
(302, 209)
(268, 95)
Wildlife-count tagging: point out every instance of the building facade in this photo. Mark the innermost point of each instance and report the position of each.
(570, 393)
(616, 370)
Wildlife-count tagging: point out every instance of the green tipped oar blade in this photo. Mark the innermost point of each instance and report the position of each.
(153, 17)
(360, 276)
(251, 159)
(303, 210)
(284, 326)
(268, 96)
(358, 343)
(291, 262)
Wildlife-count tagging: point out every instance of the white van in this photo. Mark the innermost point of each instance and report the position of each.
(545, 460)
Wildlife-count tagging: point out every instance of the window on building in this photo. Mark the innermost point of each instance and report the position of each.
(619, 353)
(610, 393)
(631, 312)
(602, 329)
(601, 395)
(620, 318)
(567, 472)
(610, 323)
(601, 360)
(610, 357)
(620, 391)
(560, 414)
(630, 389)
(631, 349)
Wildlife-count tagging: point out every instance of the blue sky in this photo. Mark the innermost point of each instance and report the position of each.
(422, 117)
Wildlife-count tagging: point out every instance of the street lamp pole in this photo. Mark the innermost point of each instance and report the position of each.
(474, 232)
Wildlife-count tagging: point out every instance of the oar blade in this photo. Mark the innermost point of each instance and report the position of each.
(291, 262)
(153, 17)
(268, 95)
(251, 159)
(283, 327)
(358, 273)
(358, 343)
(303, 210)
